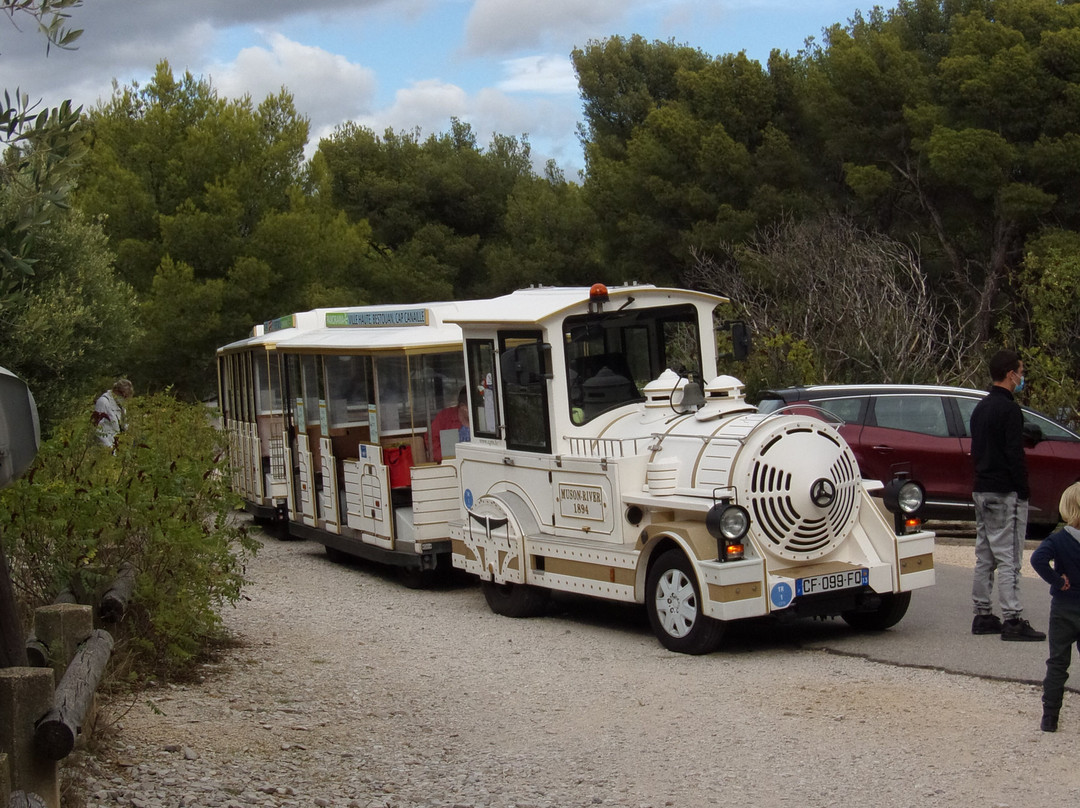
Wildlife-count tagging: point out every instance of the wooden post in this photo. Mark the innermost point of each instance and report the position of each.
(55, 733)
(62, 628)
(12, 650)
(5, 779)
(114, 602)
(26, 694)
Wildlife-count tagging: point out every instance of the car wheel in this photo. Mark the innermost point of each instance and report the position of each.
(889, 612)
(673, 602)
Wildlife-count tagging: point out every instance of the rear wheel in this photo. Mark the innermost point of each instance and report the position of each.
(673, 602)
(891, 611)
(514, 600)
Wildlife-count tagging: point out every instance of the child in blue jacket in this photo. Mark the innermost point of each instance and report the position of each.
(1062, 550)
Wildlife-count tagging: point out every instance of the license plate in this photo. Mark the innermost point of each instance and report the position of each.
(831, 581)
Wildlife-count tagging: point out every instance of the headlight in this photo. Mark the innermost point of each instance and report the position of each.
(910, 497)
(904, 496)
(728, 524)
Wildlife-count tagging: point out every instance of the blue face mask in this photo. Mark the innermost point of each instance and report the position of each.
(1020, 386)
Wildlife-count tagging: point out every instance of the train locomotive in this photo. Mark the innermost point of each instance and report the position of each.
(596, 467)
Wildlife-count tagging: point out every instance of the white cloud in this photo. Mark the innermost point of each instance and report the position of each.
(426, 105)
(429, 106)
(539, 74)
(326, 87)
(505, 26)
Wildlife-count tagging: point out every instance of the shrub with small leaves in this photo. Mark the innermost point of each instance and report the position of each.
(159, 503)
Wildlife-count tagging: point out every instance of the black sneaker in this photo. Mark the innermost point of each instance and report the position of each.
(1049, 722)
(1019, 630)
(986, 624)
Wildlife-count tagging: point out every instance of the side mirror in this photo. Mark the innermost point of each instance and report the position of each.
(1033, 435)
(20, 433)
(740, 340)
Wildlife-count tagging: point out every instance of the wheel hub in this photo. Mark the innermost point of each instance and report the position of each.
(676, 603)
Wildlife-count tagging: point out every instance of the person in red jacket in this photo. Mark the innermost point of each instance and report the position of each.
(456, 417)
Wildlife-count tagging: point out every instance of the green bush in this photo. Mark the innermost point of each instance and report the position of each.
(160, 503)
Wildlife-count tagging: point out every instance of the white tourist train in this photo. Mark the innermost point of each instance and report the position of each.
(596, 450)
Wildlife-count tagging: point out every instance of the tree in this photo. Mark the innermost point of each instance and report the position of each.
(686, 152)
(839, 304)
(549, 236)
(435, 207)
(214, 220)
(73, 320)
(1051, 346)
(954, 123)
(43, 149)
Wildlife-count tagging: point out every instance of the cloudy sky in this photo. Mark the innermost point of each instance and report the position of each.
(502, 65)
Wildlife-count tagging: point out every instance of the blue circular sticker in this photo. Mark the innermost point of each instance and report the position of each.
(468, 498)
(781, 595)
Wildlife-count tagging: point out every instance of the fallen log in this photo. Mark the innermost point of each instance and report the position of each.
(55, 733)
(66, 595)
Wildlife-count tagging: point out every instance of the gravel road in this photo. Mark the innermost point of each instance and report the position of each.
(349, 690)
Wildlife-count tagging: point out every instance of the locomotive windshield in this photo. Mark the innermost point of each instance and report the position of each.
(611, 356)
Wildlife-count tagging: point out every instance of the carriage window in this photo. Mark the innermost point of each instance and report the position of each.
(347, 381)
(392, 384)
(485, 406)
(294, 392)
(438, 380)
(268, 383)
(311, 381)
(524, 389)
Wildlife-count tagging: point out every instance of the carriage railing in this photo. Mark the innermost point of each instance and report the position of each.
(610, 447)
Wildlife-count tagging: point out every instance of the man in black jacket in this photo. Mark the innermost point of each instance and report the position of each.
(1001, 502)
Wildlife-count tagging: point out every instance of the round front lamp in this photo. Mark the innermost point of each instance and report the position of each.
(728, 524)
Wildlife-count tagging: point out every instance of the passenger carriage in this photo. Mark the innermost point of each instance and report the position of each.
(329, 415)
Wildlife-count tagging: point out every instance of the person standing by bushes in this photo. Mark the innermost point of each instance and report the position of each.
(109, 413)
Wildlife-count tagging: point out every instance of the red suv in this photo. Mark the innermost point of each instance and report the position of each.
(925, 430)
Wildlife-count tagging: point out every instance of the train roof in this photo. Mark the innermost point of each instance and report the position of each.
(434, 325)
(382, 327)
(539, 304)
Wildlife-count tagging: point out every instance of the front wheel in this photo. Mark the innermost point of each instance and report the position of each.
(514, 600)
(673, 602)
(889, 612)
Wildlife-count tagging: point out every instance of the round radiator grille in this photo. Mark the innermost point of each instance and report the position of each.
(803, 488)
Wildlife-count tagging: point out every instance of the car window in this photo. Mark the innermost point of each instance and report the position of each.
(1051, 430)
(846, 409)
(967, 406)
(922, 414)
